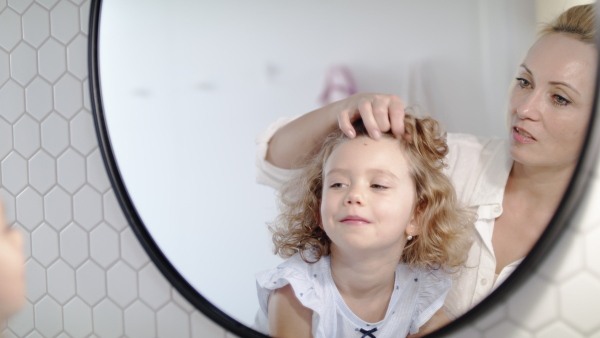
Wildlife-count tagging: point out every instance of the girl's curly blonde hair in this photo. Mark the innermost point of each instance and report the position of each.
(446, 228)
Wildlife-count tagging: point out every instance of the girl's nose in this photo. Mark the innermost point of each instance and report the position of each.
(354, 197)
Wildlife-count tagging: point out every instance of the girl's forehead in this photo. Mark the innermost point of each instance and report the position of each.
(365, 152)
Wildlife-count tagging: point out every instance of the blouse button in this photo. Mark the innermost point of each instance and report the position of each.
(497, 208)
(483, 282)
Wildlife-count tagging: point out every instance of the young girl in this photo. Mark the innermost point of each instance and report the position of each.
(371, 229)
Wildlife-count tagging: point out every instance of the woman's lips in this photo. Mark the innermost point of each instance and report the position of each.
(522, 136)
(354, 220)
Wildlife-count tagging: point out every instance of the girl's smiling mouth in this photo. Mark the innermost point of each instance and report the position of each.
(354, 220)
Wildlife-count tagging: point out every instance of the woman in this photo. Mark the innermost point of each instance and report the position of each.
(513, 185)
(12, 269)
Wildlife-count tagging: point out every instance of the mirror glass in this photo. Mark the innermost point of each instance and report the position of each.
(188, 85)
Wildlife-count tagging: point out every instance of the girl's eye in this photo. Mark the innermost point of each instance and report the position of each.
(560, 101)
(378, 186)
(337, 185)
(523, 83)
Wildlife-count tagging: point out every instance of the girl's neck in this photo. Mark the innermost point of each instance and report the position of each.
(365, 282)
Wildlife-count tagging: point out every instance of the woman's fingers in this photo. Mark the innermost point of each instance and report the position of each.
(396, 115)
(379, 113)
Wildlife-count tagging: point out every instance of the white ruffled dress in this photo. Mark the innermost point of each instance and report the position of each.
(417, 295)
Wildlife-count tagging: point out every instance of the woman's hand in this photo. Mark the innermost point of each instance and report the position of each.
(12, 269)
(295, 141)
(380, 113)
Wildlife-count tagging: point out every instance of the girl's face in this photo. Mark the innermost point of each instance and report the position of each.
(368, 196)
(551, 102)
(12, 276)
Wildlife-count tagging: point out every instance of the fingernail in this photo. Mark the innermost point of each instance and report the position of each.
(376, 134)
(351, 134)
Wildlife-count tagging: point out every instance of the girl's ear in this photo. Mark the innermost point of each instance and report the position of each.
(414, 226)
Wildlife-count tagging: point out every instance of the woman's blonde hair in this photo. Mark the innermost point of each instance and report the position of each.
(446, 228)
(577, 21)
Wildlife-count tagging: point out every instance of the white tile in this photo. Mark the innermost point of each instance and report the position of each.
(566, 257)
(492, 317)
(78, 318)
(172, 321)
(104, 245)
(574, 294)
(557, 329)
(139, 321)
(34, 334)
(14, 173)
(3, 4)
(48, 317)
(96, 172)
(204, 327)
(587, 216)
(83, 134)
(84, 16)
(35, 280)
(91, 283)
(58, 208)
(55, 134)
(10, 205)
(534, 304)
(77, 57)
(122, 284)
(30, 208)
(26, 133)
(19, 5)
(132, 251)
(108, 320)
(181, 301)
(36, 25)
(47, 3)
(67, 96)
(592, 251)
(61, 282)
(86, 95)
(71, 170)
(12, 100)
(10, 26)
(74, 246)
(87, 207)
(6, 138)
(44, 242)
(26, 240)
(64, 21)
(22, 322)
(4, 67)
(153, 287)
(52, 60)
(23, 63)
(112, 211)
(42, 172)
(38, 98)
(506, 329)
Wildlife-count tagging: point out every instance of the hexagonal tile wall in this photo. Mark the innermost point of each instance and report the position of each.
(86, 273)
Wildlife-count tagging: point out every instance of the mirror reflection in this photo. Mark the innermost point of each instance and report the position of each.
(187, 87)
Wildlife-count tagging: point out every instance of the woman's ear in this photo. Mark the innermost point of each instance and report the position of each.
(414, 226)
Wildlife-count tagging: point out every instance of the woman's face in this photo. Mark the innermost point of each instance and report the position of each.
(551, 101)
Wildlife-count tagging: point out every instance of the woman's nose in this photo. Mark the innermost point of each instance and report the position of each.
(530, 106)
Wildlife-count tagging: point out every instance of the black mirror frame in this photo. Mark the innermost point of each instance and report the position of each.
(559, 222)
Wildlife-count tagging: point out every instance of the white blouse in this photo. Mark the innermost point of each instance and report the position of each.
(417, 295)
(479, 169)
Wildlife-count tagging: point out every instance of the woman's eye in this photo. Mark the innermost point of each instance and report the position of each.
(523, 83)
(560, 101)
(337, 185)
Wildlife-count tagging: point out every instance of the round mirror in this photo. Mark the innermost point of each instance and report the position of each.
(182, 88)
